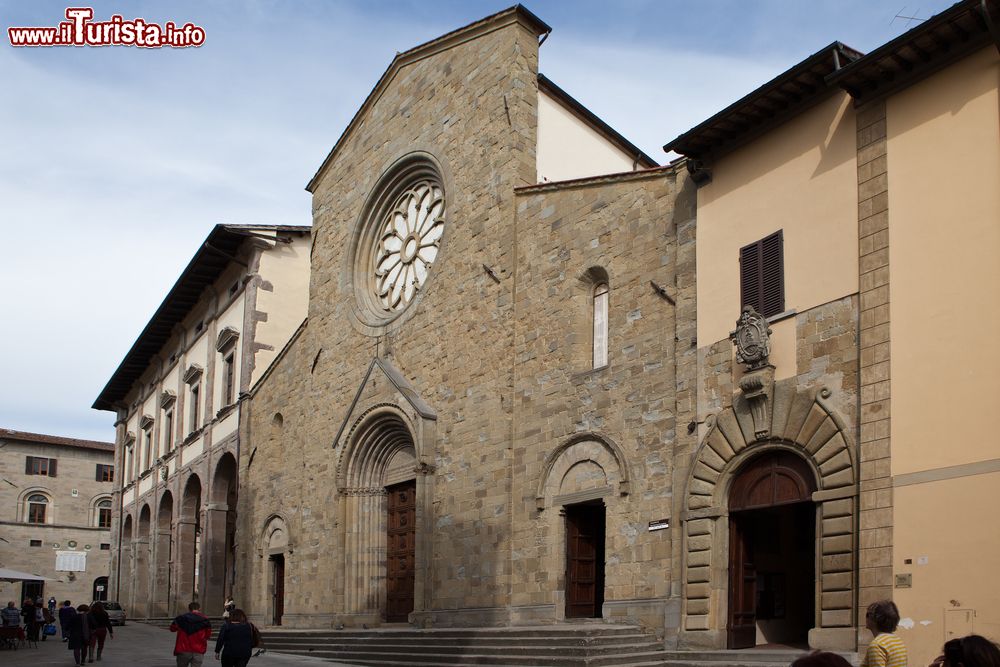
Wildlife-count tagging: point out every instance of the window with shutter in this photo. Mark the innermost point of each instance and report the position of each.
(762, 275)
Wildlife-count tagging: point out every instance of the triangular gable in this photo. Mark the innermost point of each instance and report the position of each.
(400, 386)
(515, 14)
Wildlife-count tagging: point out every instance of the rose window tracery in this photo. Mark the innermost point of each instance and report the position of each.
(407, 244)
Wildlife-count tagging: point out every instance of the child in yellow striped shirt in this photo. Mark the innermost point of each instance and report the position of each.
(886, 649)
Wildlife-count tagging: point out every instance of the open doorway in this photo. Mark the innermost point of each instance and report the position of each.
(772, 529)
(585, 529)
(277, 588)
(100, 589)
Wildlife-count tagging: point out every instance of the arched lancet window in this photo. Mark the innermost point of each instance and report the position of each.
(37, 506)
(104, 513)
(600, 325)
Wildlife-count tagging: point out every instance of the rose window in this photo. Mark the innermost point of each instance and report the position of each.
(407, 245)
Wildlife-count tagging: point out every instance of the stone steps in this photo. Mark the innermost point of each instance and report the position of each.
(583, 645)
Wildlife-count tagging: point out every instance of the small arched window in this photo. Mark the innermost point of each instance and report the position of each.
(37, 505)
(600, 325)
(104, 513)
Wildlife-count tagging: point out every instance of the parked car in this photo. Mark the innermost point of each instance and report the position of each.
(115, 611)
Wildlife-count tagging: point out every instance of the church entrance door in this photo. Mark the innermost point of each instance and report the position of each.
(277, 588)
(584, 560)
(772, 524)
(401, 550)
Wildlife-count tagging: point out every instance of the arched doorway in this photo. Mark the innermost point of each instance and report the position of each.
(188, 544)
(162, 554)
(126, 574)
(381, 491)
(275, 545)
(100, 589)
(140, 608)
(220, 529)
(772, 532)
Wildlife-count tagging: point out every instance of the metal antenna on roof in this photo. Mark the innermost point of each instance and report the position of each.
(908, 19)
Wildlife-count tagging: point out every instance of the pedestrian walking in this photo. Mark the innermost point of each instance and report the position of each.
(40, 617)
(10, 615)
(79, 634)
(52, 605)
(66, 612)
(100, 629)
(228, 607)
(28, 614)
(886, 649)
(193, 632)
(236, 640)
(968, 651)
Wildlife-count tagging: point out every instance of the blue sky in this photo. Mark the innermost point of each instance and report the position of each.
(115, 163)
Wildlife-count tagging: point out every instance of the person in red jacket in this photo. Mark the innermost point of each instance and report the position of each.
(193, 631)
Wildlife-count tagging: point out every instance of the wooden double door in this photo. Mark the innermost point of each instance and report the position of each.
(772, 525)
(585, 528)
(400, 550)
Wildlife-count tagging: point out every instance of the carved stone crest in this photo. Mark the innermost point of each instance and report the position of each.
(751, 339)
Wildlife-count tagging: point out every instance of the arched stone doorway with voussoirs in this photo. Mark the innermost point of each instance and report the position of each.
(782, 469)
(580, 494)
(275, 550)
(385, 497)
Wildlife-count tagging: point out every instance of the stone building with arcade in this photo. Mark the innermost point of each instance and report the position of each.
(528, 390)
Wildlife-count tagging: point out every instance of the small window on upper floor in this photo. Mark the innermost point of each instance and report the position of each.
(600, 325)
(762, 275)
(104, 513)
(229, 378)
(37, 465)
(105, 546)
(34, 543)
(37, 506)
(104, 473)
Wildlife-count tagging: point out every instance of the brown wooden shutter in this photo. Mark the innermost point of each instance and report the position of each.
(772, 275)
(52, 467)
(97, 474)
(27, 464)
(762, 275)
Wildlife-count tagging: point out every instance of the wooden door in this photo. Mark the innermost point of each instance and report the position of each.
(742, 587)
(584, 561)
(278, 588)
(400, 550)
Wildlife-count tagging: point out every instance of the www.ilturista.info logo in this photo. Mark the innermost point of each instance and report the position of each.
(81, 30)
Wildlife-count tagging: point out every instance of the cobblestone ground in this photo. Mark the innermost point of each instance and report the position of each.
(138, 645)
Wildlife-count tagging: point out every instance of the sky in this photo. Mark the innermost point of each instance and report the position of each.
(116, 162)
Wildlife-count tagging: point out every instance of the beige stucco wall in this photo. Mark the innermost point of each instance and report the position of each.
(801, 179)
(948, 530)
(285, 268)
(570, 148)
(944, 204)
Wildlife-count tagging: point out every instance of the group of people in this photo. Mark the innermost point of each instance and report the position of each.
(84, 628)
(34, 614)
(888, 650)
(234, 646)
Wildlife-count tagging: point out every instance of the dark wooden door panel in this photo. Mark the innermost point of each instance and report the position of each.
(278, 603)
(584, 561)
(742, 588)
(400, 550)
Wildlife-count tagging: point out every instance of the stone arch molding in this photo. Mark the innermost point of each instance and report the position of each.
(388, 435)
(274, 537)
(803, 421)
(581, 449)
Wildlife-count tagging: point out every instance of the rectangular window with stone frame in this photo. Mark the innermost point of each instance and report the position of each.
(38, 465)
(762, 275)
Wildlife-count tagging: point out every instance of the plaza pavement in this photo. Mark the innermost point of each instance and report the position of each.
(140, 645)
